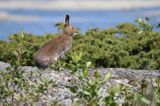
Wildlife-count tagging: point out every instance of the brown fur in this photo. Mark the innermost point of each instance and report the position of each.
(56, 47)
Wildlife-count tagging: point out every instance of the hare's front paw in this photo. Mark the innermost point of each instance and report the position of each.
(55, 58)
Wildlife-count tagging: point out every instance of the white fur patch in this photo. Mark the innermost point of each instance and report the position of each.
(55, 58)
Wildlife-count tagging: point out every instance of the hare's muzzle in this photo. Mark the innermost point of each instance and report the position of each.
(76, 31)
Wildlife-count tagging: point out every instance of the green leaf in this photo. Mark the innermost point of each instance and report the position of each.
(73, 89)
(86, 93)
(115, 89)
(88, 64)
(146, 101)
(85, 73)
(107, 77)
(157, 95)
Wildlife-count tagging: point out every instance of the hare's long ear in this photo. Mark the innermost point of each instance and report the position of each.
(67, 20)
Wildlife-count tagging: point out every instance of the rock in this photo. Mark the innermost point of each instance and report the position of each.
(3, 65)
(62, 78)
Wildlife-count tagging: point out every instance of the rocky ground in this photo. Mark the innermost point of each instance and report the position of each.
(63, 78)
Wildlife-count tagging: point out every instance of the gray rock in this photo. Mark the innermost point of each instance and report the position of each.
(62, 78)
(3, 65)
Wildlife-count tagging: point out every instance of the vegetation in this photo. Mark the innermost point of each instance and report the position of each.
(134, 46)
(93, 91)
(18, 87)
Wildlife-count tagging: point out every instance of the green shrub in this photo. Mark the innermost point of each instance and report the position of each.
(21, 47)
(90, 89)
(128, 45)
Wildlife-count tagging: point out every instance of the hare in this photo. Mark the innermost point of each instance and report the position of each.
(56, 47)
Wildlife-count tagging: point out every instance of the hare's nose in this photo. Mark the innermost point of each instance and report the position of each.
(77, 30)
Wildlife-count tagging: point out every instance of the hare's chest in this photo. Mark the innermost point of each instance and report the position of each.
(63, 48)
(67, 45)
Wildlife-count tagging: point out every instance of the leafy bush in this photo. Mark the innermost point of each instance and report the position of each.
(127, 45)
(91, 89)
(21, 47)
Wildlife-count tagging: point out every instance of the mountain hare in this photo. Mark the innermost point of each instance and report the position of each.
(56, 47)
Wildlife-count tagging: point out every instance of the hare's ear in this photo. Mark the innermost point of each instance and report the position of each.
(67, 20)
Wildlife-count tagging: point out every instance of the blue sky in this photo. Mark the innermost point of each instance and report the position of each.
(39, 16)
